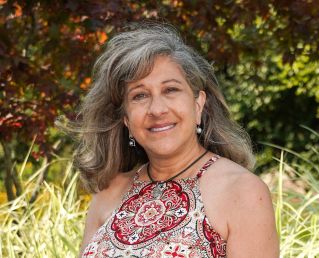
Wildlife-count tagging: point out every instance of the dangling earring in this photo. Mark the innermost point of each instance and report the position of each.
(198, 129)
(131, 142)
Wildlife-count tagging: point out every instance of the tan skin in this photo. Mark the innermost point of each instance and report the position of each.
(237, 203)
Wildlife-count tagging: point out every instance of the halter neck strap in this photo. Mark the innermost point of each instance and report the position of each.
(207, 165)
(137, 173)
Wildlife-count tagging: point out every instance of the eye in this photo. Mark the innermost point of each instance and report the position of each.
(171, 89)
(139, 96)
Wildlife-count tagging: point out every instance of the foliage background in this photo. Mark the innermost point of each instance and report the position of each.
(265, 54)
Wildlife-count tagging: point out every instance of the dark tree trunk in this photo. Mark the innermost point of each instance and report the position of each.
(9, 186)
(11, 180)
(42, 176)
(44, 172)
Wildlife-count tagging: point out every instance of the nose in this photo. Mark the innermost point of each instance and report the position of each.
(157, 106)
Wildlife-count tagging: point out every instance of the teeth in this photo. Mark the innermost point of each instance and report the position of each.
(162, 128)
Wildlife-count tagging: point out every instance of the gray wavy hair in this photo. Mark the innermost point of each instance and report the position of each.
(103, 149)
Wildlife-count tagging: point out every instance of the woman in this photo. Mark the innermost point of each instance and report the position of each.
(168, 167)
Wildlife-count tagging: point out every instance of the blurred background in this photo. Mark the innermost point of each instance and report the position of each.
(265, 54)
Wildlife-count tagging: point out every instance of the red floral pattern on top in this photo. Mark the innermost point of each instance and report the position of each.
(214, 239)
(141, 218)
(172, 225)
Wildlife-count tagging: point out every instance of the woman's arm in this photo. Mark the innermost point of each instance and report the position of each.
(103, 203)
(92, 223)
(251, 223)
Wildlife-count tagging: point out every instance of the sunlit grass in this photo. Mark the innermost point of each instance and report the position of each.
(296, 200)
(297, 214)
(52, 226)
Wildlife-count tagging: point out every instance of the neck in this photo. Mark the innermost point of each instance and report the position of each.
(162, 168)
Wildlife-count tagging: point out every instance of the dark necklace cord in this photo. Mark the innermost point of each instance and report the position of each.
(170, 179)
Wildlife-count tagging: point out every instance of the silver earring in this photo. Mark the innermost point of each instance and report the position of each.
(131, 142)
(198, 129)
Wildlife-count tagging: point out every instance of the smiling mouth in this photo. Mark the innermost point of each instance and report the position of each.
(161, 129)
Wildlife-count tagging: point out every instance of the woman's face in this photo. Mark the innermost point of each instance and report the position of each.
(162, 111)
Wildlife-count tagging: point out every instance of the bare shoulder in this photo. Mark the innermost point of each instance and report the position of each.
(230, 178)
(103, 203)
(236, 180)
(241, 187)
(249, 211)
(243, 179)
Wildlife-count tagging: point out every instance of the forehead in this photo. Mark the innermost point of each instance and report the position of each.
(164, 68)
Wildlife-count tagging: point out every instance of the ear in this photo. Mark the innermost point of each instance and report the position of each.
(200, 103)
(125, 120)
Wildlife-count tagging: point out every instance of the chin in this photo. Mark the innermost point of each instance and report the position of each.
(162, 149)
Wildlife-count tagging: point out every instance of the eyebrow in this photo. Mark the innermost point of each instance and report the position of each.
(171, 80)
(163, 82)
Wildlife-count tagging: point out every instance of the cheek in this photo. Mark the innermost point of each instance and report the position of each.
(135, 118)
(187, 109)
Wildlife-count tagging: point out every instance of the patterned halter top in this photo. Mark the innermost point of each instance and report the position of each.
(171, 224)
